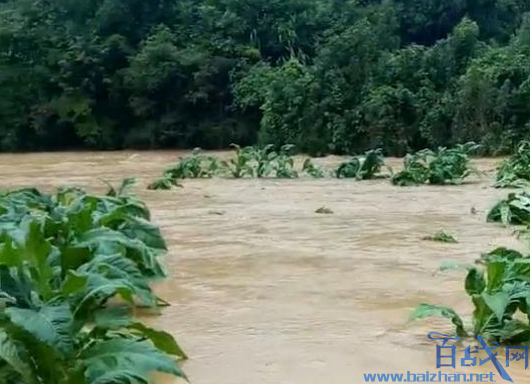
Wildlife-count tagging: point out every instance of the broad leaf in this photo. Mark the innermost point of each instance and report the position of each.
(137, 358)
(51, 325)
(475, 283)
(427, 310)
(162, 340)
(15, 354)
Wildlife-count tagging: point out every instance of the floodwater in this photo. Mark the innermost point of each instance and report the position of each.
(266, 291)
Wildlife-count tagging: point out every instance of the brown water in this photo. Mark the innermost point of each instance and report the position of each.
(265, 291)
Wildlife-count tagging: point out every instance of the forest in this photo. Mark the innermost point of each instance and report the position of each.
(329, 76)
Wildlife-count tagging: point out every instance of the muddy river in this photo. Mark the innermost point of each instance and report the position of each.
(266, 291)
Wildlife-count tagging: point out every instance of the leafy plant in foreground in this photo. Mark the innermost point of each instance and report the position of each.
(499, 289)
(63, 258)
(515, 171)
(515, 209)
(362, 167)
(441, 237)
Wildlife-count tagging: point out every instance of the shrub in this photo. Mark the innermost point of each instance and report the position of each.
(362, 167)
(284, 163)
(196, 166)
(240, 166)
(312, 170)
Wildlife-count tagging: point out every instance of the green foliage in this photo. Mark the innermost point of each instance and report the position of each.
(63, 257)
(441, 237)
(362, 167)
(440, 167)
(312, 170)
(328, 76)
(515, 209)
(415, 170)
(196, 166)
(284, 163)
(264, 160)
(248, 162)
(498, 289)
(515, 171)
(424, 311)
(166, 182)
(240, 166)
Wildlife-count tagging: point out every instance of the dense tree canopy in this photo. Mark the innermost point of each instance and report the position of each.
(328, 75)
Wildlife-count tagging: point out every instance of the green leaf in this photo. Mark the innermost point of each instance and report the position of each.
(427, 310)
(74, 283)
(108, 241)
(162, 340)
(120, 377)
(100, 289)
(14, 354)
(74, 257)
(143, 230)
(120, 268)
(16, 285)
(137, 358)
(113, 318)
(482, 315)
(51, 325)
(475, 283)
(495, 271)
(122, 189)
(9, 255)
(497, 302)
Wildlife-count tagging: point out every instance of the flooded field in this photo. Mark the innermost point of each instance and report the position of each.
(266, 291)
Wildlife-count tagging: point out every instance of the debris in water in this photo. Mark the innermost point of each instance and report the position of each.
(324, 211)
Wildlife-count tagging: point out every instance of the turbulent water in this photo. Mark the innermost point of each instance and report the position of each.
(266, 291)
